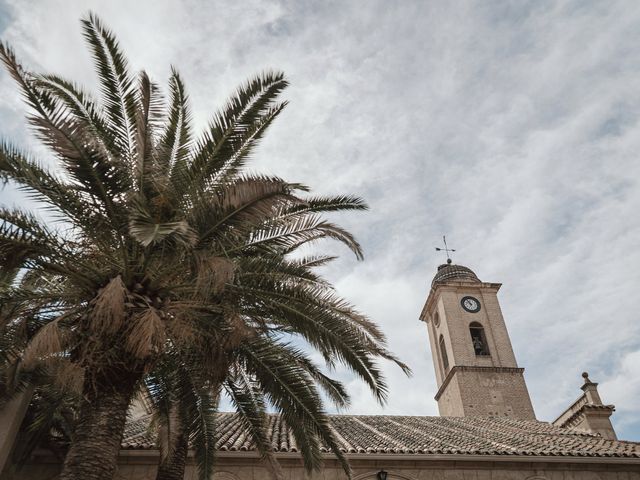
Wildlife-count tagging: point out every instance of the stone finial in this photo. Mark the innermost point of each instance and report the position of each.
(591, 390)
(588, 412)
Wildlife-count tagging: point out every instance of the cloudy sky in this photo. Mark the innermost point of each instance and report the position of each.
(511, 127)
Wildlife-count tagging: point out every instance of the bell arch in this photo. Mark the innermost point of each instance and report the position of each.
(479, 339)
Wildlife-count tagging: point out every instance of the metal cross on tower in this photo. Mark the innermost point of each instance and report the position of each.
(446, 249)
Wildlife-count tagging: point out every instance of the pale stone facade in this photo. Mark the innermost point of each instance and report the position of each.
(246, 466)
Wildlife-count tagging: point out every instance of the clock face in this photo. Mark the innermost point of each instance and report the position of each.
(470, 304)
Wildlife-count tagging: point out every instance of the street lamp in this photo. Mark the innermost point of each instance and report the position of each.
(382, 475)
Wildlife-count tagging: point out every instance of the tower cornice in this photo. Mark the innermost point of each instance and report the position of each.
(453, 286)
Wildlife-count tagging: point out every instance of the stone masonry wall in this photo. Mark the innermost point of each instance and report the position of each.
(494, 393)
(487, 392)
(143, 469)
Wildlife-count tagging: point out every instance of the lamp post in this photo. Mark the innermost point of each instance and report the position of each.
(382, 475)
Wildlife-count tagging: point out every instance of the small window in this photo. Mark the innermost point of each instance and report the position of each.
(436, 319)
(443, 353)
(478, 339)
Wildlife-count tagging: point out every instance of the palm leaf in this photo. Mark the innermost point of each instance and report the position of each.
(250, 406)
(292, 391)
(175, 142)
(116, 84)
(203, 431)
(45, 187)
(81, 155)
(232, 134)
(148, 116)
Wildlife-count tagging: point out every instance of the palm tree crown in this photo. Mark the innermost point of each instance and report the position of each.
(168, 256)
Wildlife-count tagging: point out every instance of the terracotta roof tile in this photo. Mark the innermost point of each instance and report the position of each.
(417, 435)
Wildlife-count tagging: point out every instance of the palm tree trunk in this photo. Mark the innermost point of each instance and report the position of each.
(93, 454)
(172, 467)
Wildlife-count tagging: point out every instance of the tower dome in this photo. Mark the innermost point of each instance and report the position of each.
(448, 272)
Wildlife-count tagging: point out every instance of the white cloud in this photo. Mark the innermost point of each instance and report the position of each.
(512, 128)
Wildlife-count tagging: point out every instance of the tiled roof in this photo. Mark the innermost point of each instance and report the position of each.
(418, 435)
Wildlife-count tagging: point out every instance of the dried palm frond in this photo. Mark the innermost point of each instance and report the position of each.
(146, 334)
(109, 312)
(49, 341)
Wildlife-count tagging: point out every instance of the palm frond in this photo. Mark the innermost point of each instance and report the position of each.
(49, 422)
(148, 230)
(286, 237)
(328, 332)
(23, 238)
(277, 269)
(116, 84)
(81, 156)
(45, 187)
(232, 134)
(252, 412)
(108, 308)
(48, 341)
(314, 261)
(175, 142)
(246, 202)
(146, 334)
(293, 392)
(80, 104)
(148, 116)
(337, 203)
(203, 430)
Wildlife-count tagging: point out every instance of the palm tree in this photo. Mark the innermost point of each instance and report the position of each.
(163, 246)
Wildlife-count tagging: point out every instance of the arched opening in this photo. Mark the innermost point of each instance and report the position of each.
(436, 319)
(391, 475)
(443, 354)
(478, 339)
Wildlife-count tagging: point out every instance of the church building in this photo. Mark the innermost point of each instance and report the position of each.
(487, 428)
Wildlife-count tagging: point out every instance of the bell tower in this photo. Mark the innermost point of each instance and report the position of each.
(476, 370)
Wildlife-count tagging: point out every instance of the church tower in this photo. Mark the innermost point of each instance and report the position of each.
(476, 369)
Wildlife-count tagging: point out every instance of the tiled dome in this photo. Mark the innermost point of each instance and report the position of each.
(454, 273)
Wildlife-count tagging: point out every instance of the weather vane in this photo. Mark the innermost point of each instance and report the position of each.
(446, 249)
